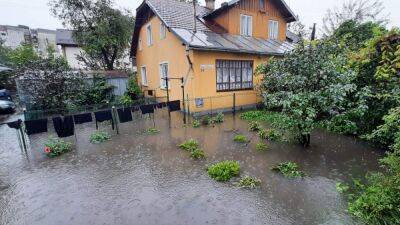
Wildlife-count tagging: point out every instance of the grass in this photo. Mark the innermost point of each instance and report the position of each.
(240, 138)
(189, 145)
(152, 131)
(224, 171)
(261, 147)
(99, 137)
(249, 182)
(275, 119)
(289, 169)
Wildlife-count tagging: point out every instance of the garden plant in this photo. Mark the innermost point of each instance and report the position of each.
(224, 171)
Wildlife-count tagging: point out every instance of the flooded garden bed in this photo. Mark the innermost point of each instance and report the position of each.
(141, 177)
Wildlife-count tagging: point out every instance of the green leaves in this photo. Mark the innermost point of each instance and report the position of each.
(99, 137)
(102, 31)
(289, 169)
(308, 84)
(224, 171)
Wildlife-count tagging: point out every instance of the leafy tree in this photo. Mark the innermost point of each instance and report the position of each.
(50, 83)
(355, 10)
(309, 84)
(22, 56)
(355, 35)
(3, 53)
(103, 32)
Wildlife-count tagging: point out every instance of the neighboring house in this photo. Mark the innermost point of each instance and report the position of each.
(217, 57)
(14, 36)
(40, 39)
(43, 40)
(69, 49)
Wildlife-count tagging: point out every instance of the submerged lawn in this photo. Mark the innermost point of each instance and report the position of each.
(150, 180)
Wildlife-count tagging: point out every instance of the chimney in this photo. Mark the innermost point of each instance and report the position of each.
(210, 4)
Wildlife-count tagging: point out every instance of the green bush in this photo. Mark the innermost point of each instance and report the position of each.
(289, 169)
(197, 154)
(219, 118)
(270, 134)
(249, 182)
(254, 126)
(189, 145)
(385, 134)
(196, 124)
(261, 147)
(206, 120)
(55, 147)
(240, 138)
(99, 137)
(224, 171)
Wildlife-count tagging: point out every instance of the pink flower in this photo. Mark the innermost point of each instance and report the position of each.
(47, 150)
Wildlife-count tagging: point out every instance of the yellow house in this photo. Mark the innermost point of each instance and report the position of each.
(213, 51)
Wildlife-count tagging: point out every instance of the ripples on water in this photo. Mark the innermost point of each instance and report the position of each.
(145, 179)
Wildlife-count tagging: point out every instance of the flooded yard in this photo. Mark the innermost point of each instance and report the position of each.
(137, 178)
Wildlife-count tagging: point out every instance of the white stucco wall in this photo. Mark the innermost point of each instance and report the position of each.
(71, 53)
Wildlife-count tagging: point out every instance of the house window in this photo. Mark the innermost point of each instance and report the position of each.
(234, 75)
(140, 44)
(163, 74)
(143, 72)
(273, 29)
(149, 35)
(262, 5)
(163, 31)
(246, 25)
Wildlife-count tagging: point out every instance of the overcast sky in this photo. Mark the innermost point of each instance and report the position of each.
(36, 14)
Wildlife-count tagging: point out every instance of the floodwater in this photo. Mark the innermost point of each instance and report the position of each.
(137, 178)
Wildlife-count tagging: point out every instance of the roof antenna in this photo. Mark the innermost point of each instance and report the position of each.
(194, 15)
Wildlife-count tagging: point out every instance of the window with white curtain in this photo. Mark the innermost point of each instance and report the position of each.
(143, 72)
(163, 74)
(234, 75)
(149, 35)
(163, 31)
(246, 25)
(273, 29)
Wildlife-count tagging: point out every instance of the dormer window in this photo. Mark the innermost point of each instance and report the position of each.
(246, 25)
(273, 29)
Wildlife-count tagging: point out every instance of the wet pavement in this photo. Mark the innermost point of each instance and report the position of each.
(137, 178)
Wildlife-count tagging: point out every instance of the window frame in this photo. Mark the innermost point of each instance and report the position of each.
(141, 75)
(149, 34)
(273, 24)
(229, 82)
(163, 31)
(248, 23)
(140, 44)
(162, 86)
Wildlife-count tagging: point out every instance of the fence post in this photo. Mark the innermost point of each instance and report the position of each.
(183, 98)
(115, 119)
(234, 103)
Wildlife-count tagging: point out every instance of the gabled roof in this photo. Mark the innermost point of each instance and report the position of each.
(178, 17)
(288, 13)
